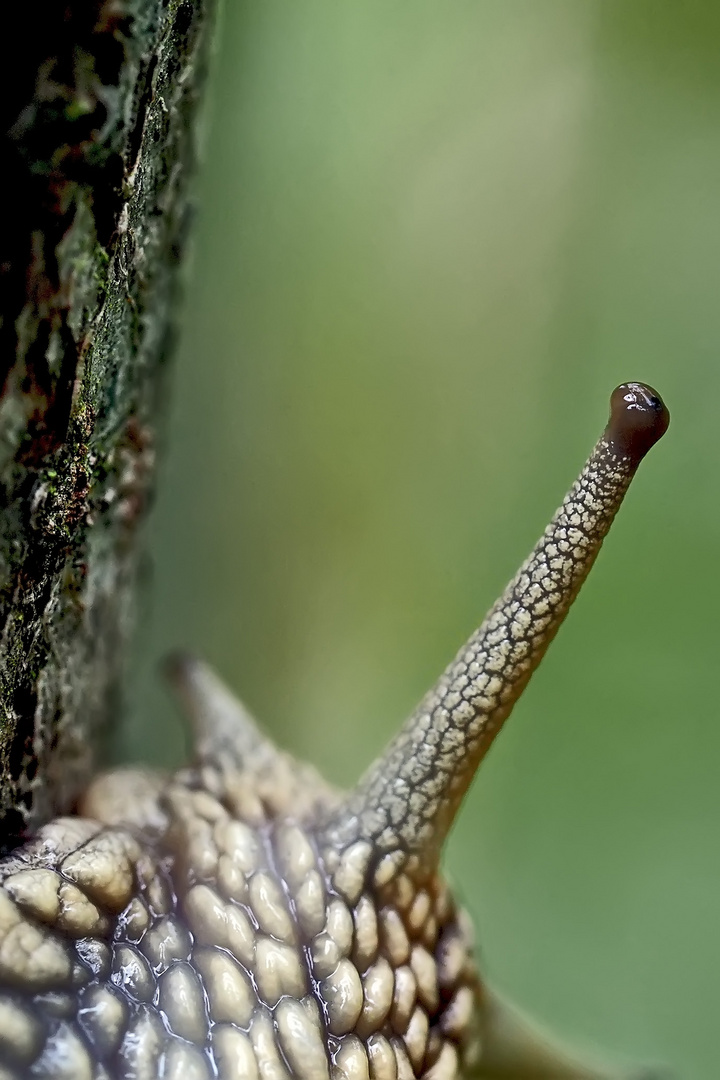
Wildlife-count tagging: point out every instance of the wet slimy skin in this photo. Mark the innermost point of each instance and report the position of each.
(242, 919)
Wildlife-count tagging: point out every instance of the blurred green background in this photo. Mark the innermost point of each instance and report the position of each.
(432, 238)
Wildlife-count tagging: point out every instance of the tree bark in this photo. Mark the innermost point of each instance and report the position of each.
(99, 108)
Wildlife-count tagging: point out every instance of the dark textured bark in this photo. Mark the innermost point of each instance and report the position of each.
(99, 105)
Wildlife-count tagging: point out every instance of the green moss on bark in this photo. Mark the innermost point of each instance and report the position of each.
(99, 147)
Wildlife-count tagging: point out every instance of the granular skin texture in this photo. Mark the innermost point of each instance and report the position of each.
(233, 943)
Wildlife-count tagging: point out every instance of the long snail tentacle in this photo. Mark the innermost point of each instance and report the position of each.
(241, 919)
(410, 796)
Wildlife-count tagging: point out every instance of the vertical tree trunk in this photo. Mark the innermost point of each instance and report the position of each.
(99, 106)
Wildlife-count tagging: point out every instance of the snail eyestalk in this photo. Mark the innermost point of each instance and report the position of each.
(409, 797)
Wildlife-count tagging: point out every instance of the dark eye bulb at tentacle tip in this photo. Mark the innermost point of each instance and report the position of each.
(638, 418)
(639, 396)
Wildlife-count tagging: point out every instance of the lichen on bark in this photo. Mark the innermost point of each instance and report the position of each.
(99, 110)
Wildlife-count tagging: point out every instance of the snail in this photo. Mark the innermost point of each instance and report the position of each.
(243, 919)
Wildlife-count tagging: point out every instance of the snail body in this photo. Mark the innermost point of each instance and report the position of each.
(243, 919)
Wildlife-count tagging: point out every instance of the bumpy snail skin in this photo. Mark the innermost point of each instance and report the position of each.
(243, 919)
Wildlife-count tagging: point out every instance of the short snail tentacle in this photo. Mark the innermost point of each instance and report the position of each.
(226, 737)
(221, 724)
(408, 799)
